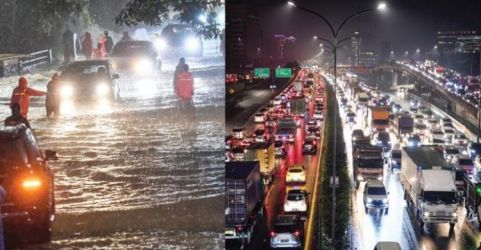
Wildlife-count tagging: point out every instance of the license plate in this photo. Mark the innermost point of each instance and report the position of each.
(284, 240)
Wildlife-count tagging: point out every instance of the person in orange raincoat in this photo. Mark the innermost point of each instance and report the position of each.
(185, 85)
(21, 95)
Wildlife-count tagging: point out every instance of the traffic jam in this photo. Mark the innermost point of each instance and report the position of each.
(271, 166)
(406, 153)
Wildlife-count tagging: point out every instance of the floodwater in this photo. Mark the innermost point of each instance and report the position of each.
(137, 173)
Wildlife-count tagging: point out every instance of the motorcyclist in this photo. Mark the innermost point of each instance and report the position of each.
(52, 103)
(21, 95)
(109, 42)
(16, 118)
(126, 37)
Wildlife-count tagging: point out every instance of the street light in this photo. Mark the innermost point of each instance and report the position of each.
(334, 44)
(418, 50)
(435, 47)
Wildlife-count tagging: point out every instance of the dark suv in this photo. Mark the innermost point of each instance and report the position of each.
(288, 232)
(29, 204)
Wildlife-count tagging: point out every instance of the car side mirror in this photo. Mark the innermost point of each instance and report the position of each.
(50, 155)
(115, 76)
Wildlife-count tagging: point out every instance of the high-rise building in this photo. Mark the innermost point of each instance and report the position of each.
(236, 39)
(356, 48)
(385, 54)
(368, 58)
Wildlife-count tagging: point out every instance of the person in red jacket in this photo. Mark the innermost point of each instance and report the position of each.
(21, 95)
(185, 85)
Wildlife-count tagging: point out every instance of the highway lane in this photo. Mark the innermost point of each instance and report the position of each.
(275, 196)
(397, 225)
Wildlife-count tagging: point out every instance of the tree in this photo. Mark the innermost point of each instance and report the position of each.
(156, 12)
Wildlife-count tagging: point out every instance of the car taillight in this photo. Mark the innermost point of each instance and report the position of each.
(272, 233)
(297, 233)
(31, 183)
(239, 228)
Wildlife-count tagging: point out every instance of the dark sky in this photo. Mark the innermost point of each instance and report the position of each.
(408, 24)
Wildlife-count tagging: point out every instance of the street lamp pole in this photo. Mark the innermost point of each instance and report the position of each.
(334, 45)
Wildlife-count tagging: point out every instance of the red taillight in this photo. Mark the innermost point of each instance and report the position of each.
(297, 233)
(272, 233)
(239, 228)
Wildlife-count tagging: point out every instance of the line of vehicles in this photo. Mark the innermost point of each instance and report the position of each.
(438, 165)
(251, 164)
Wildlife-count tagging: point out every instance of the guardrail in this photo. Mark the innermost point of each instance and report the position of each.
(32, 60)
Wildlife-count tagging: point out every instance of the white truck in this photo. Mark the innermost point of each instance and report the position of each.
(429, 187)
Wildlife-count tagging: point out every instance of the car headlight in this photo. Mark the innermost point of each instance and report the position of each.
(192, 44)
(455, 214)
(102, 89)
(160, 44)
(369, 200)
(360, 178)
(426, 214)
(67, 91)
(384, 201)
(379, 178)
(143, 66)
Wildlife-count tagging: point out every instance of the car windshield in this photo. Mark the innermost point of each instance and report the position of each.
(295, 170)
(376, 191)
(284, 228)
(381, 122)
(12, 153)
(452, 151)
(133, 49)
(371, 163)
(466, 162)
(383, 136)
(421, 126)
(82, 71)
(440, 197)
(259, 132)
(295, 197)
(396, 154)
(357, 133)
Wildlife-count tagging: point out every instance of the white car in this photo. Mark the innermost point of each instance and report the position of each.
(451, 154)
(296, 173)
(259, 118)
(238, 133)
(296, 201)
(448, 134)
(436, 134)
(375, 196)
(276, 101)
(318, 115)
(421, 129)
(419, 118)
(433, 124)
(460, 139)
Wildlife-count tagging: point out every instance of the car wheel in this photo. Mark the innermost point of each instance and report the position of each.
(44, 230)
(366, 209)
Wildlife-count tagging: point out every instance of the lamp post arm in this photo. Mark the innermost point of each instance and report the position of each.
(349, 18)
(320, 16)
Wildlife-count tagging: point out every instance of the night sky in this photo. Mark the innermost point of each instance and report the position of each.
(408, 24)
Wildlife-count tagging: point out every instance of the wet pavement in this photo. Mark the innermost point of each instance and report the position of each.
(137, 173)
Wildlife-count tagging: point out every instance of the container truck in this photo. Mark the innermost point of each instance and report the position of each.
(429, 186)
(286, 130)
(362, 99)
(244, 201)
(298, 106)
(378, 119)
(403, 125)
(264, 153)
(368, 163)
(472, 200)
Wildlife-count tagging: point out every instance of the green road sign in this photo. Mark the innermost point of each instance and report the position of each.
(283, 72)
(262, 72)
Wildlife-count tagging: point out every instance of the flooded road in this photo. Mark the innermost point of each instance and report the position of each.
(137, 173)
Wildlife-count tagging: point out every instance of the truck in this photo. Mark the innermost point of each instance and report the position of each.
(298, 106)
(362, 99)
(298, 86)
(286, 130)
(264, 153)
(378, 119)
(403, 125)
(368, 163)
(244, 201)
(429, 186)
(472, 199)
